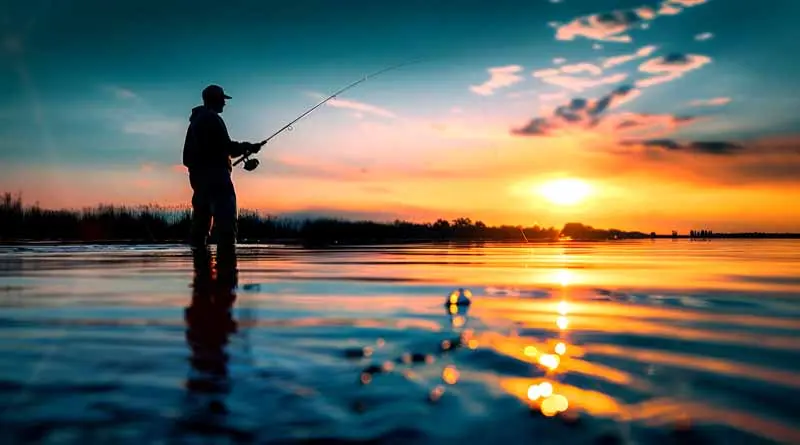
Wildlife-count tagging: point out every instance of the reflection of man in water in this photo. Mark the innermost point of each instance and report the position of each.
(209, 322)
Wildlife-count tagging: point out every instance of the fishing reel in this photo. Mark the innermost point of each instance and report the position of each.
(251, 164)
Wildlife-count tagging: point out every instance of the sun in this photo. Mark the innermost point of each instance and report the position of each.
(565, 192)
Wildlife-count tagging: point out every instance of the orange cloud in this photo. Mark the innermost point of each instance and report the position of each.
(610, 26)
(546, 72)
(581, 67)
(619, 60)
(717, 101)
(646, 124)
(613, 26)
(686, 3)
(499, 77)
(579, 115)
(670, 67)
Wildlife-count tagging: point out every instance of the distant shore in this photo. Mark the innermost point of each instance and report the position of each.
(107, 224)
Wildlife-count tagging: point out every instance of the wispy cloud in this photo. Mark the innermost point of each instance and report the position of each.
(645, 51)
(547, 72)
(120, 92)
(686, 3)
(715, 102)
(703, 36)
(359, 107)
(576, 68)
(499, 77)
(670, 67)
(583, 83)
(647, 125)
(582, 67)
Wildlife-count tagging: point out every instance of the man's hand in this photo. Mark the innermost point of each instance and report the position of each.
(256, 146)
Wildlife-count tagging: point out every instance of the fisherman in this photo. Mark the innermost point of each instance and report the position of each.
(207, 153)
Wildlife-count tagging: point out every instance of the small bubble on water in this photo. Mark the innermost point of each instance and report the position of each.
(436, 393)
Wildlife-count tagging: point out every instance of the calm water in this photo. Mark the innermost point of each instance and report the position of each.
(627, 342)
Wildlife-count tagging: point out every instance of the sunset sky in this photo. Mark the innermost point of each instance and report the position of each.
(660, 115)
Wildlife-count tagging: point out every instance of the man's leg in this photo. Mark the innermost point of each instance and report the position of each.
(201, 214)
(225, 223)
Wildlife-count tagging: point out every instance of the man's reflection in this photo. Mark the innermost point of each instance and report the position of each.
(209, 323)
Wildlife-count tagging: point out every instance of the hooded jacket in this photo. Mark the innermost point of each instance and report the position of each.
(207, 143)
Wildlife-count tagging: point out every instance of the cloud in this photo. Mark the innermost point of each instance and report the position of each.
(687, 3)
(717, 101)
(559, 60)
(670, 67)
(668, 9)
(578, 114)
(646, 125)
(608, 26)
(720, 148)
(581, 83)
(617, 97)
(645, 51)
(575, 68)
(357, 106)
(546, 72)
(703, 36)
(581, 67)
(613, 26)
(121, 93)
(499, 77)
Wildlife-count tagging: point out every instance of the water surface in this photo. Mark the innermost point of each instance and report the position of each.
(642, 342)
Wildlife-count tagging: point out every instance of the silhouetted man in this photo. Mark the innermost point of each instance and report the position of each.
(207, 153)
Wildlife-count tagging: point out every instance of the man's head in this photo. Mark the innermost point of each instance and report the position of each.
(214, 97)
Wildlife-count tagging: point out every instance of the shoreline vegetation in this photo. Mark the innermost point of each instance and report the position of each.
(153, 224)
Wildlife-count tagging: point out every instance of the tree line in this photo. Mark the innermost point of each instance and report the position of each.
(154, 223)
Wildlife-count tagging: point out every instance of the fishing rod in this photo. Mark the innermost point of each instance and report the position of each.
(251, 164)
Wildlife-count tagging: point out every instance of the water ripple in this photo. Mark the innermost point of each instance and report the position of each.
(598, 344)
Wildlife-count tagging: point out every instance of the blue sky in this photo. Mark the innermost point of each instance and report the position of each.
(102, 86)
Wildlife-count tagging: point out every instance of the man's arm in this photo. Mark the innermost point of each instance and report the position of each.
(233, 148)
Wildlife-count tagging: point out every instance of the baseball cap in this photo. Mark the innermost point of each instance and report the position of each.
(214, 92)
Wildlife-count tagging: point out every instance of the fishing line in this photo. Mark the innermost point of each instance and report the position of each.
(251, 164)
